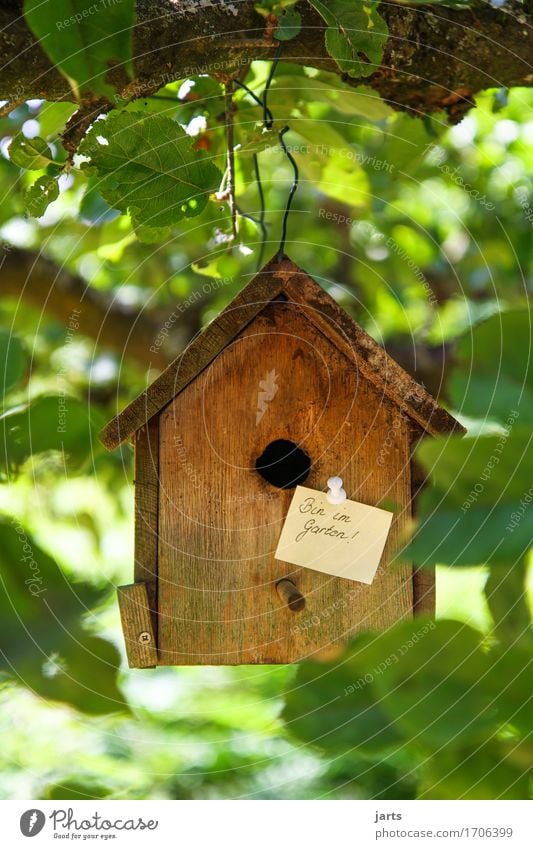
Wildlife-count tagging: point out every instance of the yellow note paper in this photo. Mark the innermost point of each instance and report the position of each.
(345, 540)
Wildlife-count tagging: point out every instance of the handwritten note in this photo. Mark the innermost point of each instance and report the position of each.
(344, 540)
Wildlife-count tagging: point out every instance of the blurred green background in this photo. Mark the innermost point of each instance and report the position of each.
(422, 232)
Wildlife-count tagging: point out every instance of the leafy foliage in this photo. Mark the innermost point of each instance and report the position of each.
(84, 40)
(147, 166)
(41, 194)
(477, 483)
(422, 687)
(492, 387)
(423, 233)
(49, 423)
(32, 154)
(45, 644)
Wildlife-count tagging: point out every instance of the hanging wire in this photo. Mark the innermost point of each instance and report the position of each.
(257, 99)
(294, 186)
(268, 122)
(262, 224)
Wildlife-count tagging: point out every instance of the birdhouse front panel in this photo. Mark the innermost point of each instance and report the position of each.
(280, 405)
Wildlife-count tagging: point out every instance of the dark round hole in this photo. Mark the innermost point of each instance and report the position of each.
(283, 464)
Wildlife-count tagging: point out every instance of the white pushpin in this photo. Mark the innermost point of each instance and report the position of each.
(335, 494)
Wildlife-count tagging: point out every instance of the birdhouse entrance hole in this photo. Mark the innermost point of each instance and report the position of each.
(283, 464)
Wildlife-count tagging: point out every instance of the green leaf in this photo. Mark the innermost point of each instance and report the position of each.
(494, 373)
(147, 167)
(484, 771)
(476, 510)
(291, 90)
(478, 471)
(53, 117)
(93, 207)
(356, 34)
(432, 690)
(32, 154)
(44, 644)
(85, 39)
(505, 591)
(44, 191)
(481, 535)
(331, 706)
(49, 424)
(13, 361)
(509, 683)
(414, 683)
(289, 25)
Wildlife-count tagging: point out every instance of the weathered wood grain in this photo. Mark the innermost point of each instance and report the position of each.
(219, 520)
(201, 351)
(137, 626)
(372, 360)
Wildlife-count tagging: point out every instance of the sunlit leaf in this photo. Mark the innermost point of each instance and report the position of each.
(146, 166)
(32, 154)
(44, 645)
(49, 424)
(43, 192)
(494, 377)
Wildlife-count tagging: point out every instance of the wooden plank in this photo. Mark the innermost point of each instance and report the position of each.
(146, 511)
(136, 621)
(220, 520)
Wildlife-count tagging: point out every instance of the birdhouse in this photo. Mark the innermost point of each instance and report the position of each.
(278, 394)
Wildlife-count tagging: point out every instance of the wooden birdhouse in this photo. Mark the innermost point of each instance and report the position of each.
(283, 389)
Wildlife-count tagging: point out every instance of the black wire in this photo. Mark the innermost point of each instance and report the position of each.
(248, 216)
(294, 186)
(261, 222)
(268, 119)
(255, 97)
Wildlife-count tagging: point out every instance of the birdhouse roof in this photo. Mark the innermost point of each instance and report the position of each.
(284, 279)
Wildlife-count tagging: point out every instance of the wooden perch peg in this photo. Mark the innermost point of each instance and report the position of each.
(290, 595)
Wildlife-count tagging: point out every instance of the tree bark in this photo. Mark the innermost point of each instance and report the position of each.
(435, 58)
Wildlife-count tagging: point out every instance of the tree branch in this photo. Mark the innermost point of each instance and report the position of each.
(137, 334)
(435, 58)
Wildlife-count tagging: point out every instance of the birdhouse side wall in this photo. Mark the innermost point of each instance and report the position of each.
(146, 511)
